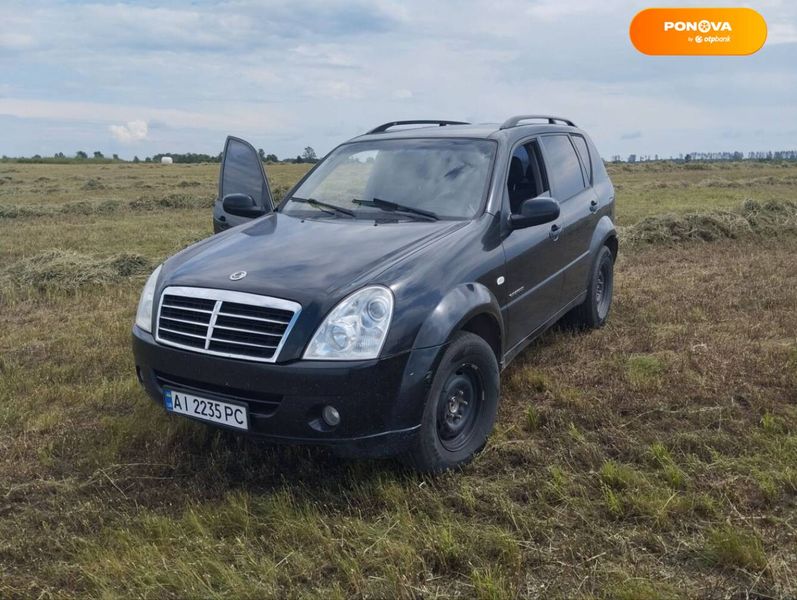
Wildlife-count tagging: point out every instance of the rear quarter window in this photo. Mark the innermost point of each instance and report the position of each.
(583, 151)
(564, 168)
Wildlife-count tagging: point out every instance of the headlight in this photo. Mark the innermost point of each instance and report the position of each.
(144, 314)
(356, 328)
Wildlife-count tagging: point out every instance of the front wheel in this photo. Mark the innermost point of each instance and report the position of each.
(460, 408)
(594, 311)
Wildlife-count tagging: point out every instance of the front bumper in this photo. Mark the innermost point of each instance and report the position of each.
(380, 401)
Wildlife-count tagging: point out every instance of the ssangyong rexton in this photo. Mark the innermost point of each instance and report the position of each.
(374, 309)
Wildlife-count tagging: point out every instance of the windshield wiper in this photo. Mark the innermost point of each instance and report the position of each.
(387, 205)
(324, 205)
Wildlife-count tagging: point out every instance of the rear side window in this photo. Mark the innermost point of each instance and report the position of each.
(581, 145)
(564, 169)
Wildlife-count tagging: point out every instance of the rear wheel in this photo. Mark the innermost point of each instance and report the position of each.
(594, 311)
(460, 408)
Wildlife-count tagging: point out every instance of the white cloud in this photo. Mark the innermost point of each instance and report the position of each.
(335, 90)
(286, 75)
(16, 41)
(236, 117)
(132, 131)
(551, 10)
(782, 33)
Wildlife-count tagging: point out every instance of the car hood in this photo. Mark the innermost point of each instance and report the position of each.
(301, 259)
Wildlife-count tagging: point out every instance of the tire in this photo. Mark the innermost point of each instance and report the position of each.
(593, 312)
(460, 407)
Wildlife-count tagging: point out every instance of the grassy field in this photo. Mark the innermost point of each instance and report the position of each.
(655, 458)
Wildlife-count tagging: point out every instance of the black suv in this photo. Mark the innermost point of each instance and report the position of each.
(374, 309)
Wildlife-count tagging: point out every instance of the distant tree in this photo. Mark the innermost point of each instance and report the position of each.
(187, 158)
(98, 154)
(148, 159)
(309, 155)
(688, 158)
(135, 159)
(116, 157)
(632, 158)
(81, 154)
(59, 155)
(37, 157)
(272, 158)
(298, 160)
(262, 154)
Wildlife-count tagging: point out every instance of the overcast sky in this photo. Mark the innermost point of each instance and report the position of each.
(139, 78)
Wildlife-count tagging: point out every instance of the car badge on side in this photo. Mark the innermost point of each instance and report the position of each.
(237, 275)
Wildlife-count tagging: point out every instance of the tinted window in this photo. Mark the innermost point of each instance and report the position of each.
(447, 177)
(581, 145)
(526, 175)
(242, 172)
(564, 170)
(537, 168)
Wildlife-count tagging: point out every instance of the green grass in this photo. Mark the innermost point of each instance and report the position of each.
(662, 187)
(732, 548)
(655, 458)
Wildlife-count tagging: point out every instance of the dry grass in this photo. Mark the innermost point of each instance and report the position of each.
(750, 219)
(655, 458)
(65, 270)
(659, 188)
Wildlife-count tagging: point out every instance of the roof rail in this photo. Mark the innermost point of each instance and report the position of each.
(515, 121)
(385, 126)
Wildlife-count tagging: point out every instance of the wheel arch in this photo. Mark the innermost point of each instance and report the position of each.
(605, 234)
(486, 326)
(468, 307)
(613, 244)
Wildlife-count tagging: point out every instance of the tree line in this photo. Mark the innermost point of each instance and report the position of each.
(308, 156)
(712, 156)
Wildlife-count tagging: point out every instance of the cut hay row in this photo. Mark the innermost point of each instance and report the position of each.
(65, 270)
(104, 207)
(753, 218)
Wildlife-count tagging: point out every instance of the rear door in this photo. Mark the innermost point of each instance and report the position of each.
(571, 185)
(241, 172)
(583, 217)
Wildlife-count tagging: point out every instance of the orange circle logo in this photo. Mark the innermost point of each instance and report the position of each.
(698, 31)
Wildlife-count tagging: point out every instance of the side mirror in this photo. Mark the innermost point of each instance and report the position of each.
(242, 205)
(535, 211)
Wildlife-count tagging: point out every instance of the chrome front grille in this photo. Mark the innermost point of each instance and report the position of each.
(225, 323)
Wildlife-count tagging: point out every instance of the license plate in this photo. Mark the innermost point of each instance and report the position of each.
(232, 415)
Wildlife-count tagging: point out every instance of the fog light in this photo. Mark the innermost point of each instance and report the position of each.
(331, 416)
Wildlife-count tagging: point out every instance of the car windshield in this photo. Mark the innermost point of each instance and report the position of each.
(423, 179)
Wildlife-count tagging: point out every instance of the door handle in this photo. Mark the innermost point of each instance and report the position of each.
(555, 231)
(593, 206)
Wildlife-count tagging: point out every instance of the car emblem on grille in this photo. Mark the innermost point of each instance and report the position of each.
(238, 275)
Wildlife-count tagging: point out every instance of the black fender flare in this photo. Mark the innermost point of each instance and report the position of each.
(604, 231)
(454, 310)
